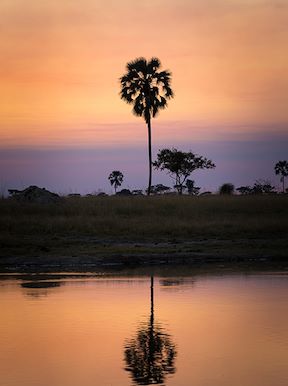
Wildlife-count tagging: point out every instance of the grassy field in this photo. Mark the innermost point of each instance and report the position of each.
(133, 227)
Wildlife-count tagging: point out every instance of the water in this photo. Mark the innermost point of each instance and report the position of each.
(205, 330)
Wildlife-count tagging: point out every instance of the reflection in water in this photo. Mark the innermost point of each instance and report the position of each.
(38, 289)
(176, 284)
(172, 282)
(76, 335)
(150, 355)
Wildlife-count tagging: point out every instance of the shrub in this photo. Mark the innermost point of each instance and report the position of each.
(226, 188)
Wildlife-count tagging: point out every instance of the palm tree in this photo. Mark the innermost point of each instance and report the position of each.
(148, 90)
(116, 179)
(282, 168)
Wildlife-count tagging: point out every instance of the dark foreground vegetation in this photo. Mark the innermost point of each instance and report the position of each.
(83, 232)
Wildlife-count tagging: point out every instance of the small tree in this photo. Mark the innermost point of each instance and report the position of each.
(192, 189)
(244, 190)
(282, 168)
(159, 189)
(262, 187)
(180, 165)
(124, 192)
(259, 187)
(137, 192)
(116, 179)
(227, 189)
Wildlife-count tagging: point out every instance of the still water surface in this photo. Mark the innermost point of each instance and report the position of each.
(205, 330)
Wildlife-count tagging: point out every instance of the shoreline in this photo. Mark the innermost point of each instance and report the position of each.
(120, 260)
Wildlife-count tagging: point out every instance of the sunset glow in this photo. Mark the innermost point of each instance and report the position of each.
(61, 63)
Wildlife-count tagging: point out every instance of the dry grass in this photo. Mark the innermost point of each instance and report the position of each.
(65, 227)
(217, 216)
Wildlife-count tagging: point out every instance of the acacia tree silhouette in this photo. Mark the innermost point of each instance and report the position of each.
(282, 168)
(116, 179)
(150, 355)
(148, 90)
(180, 165)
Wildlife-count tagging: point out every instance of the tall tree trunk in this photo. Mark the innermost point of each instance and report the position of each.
(283, 184)
(150, 157)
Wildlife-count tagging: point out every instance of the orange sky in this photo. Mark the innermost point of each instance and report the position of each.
(63, 125)
(60, 63)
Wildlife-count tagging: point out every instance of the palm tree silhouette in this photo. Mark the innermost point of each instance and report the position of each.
(150, 355)
(116, 179)
(282, 168)
(148, 90)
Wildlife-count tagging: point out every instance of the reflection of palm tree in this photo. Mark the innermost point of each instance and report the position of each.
(150, 355)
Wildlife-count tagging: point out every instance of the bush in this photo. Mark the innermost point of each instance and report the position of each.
(192, 189)
(244, 190)
(226, 188)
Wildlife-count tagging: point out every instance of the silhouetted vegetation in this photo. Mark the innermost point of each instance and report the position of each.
(159, 189)
(148, 90)
(137, 192)
(226, 188)
(281, 168)
(244, 190)
(116, 178)
(263, 187)
(34, 194)
(259, 187)
(179, 165)
(191, 188)
(124, 192)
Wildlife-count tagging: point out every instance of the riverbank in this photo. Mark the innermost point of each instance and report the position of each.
(90, 232)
